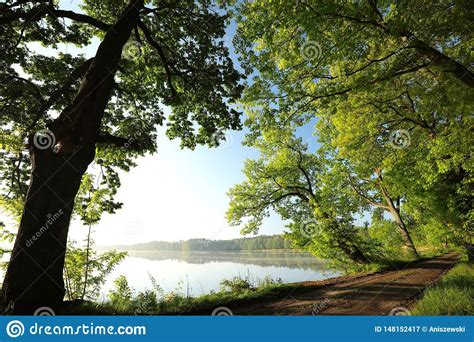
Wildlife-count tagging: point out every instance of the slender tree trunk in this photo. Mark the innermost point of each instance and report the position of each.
(353, 252)
(404, 231)
(395, 212)
(470, 252)
(67, 283)
(86, 270)
(343, 241)
(34, 276)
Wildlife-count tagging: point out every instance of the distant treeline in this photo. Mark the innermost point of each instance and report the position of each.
(262, 242)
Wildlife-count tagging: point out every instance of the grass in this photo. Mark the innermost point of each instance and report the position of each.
(177, 304)
(452, 295)
(235, 292)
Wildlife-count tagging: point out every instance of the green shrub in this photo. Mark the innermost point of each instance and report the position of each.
(236, 284)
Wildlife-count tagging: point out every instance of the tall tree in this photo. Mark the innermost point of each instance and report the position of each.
(104, 109)
(375, 193)
(289, 181)
(392, 84)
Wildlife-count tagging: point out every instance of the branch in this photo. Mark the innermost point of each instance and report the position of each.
(82, 18)
(371, 62)
(300, 167)
(373, 5)
(288, 194)
(460, 71)
(76, 73)
(452, 66)
(33, 86)
(157, 47)
(402, 72)
(346, 17)
(367, 198)
(37, 13)
(109, 139)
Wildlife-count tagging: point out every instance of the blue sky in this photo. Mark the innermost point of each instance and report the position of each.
(178, 194)
(175, 194)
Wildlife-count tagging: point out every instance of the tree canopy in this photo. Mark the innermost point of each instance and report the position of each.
(155, 63)
(175, 58)
(391, 84)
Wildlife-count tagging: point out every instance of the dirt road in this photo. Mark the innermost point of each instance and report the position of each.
(376, 294)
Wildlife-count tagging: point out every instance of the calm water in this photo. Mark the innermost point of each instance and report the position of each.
(197, 273)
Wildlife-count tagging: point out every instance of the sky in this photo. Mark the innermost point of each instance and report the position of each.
(174, 194)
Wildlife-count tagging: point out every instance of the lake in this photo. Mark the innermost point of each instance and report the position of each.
(196, 273)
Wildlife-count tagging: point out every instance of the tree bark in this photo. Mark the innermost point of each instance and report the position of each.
(353, 252)
(395, 212)
(350, 249)
(34, 276)
(404, 232)
(448, 64)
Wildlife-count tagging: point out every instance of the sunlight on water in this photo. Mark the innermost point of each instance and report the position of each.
(197, 273)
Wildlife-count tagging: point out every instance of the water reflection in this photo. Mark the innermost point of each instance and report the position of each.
(259, 258)
(201, 272)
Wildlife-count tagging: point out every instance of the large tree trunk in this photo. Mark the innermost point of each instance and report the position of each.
(34, 276)
(448, 64)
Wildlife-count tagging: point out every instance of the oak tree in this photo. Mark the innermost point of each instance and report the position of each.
(77, 112)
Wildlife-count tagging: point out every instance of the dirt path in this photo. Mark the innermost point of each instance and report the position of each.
(374, 294)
